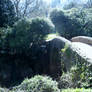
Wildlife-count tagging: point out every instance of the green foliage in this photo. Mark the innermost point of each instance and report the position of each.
(66, 26)
(25, 33)
(72, 22)
(83, 16)
(81, 74)
(7, 13)
(19, 39)
(88, 21)
(38, 84)
(65, 48)
(65, 81)
(3, 35)
(51, 36)
(41, 27)
(77, 90)
(3, 89)
(81, 71)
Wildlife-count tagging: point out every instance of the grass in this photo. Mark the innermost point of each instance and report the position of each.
(51, 36)
(77, 90)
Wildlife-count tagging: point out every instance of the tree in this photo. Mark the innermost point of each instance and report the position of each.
(55, 3)
(70, 5)
(7, 13)
(88, 4)
(25, 8)
(24, 34)
(39, 28)
(41, 11)
(66, 26)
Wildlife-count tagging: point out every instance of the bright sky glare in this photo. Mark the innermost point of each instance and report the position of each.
(48, 1)
(63, 1)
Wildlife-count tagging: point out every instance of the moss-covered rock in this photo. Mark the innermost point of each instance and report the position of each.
(77, 59)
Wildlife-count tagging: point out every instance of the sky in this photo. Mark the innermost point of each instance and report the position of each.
(63, 1)
(48, 1)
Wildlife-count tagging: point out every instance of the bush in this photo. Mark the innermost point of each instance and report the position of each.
(39, 28)
(80, 71)
(27, 32)
(65, 81)
(18, 39)
(4, 32)
(79, 76)
(38, 84)
(77, 90)
(83, 16)
(82, 75)
(72, 22)
(66, 26)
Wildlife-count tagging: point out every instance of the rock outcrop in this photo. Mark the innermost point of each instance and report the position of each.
(82, 39)
(47, 59)
(55, 46)
(78, 52)
(83, 50)
(71, 52)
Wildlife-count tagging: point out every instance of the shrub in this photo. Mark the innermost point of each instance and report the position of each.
(27, 32)
(18, 39)
(65, 81)
(77, 90)
(38, 84)
(4, 32)
(39, 28)
(80, 70)
(81, 74)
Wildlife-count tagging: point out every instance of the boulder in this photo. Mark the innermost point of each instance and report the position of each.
(54, 51)
(83, 39)
(77, 52)
(59, 42)
(62, 50)
(83, 50)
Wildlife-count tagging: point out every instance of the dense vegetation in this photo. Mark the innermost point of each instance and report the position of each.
(72, 22)
(30, 52)
(7, 13)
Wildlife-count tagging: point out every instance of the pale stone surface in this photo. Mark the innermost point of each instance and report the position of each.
(83, 50)
(76, 51)
(83, 39)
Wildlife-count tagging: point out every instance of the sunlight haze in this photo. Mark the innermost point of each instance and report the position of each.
(64, 1)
